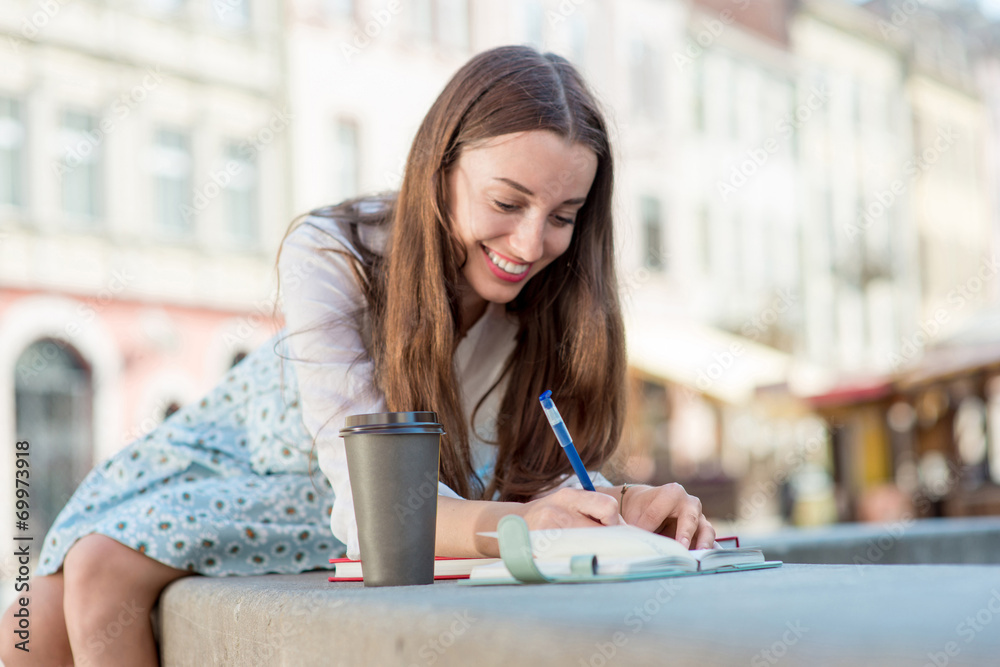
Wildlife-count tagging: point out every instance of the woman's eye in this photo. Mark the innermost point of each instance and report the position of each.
(560, 220)
(503, 206)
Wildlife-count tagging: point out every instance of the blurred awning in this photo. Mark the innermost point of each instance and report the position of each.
(852, 392)
(946, 363)
(716, 363)
(972, 347)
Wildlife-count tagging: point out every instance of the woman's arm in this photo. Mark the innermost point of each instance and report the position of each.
(459, 521)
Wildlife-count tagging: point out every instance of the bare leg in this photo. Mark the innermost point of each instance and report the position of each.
(109, 592)
(49, 643)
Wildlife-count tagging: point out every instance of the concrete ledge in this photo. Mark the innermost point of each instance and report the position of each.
(793, 615)
(969, 541)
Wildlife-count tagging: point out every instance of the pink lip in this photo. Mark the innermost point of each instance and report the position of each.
(500, 273)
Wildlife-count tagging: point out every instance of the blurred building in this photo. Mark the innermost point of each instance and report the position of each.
(143, 190)
(831, 198)
(861, 282)
(784, 232)
(928, 432)
(954, 198)
(360, 77)
(718, 313)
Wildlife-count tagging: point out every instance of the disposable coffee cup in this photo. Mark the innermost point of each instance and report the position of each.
(392, 460)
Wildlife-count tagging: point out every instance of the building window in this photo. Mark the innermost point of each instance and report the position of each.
(172, 178)
(732, 111)
(453, 23)
(705, 239)
(698, 89)
(578, 39)
(857, 104)
(422, 20)
(53, 399)
(652, 234)
(232, 14)
(531, 15)
(735, 251)
(927, 269)
(645, 78)
(165, 6)
(241, 195)
(341, 9)
(12, 165)
(80, 169)
(347, 160)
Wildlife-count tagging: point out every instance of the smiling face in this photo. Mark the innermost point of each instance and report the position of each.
(513, 201)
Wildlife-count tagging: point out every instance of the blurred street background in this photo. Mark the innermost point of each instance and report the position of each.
(807, 201)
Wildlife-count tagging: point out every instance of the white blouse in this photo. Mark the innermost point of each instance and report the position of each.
(334, 370)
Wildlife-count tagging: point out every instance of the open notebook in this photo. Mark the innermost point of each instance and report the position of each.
(611, 553)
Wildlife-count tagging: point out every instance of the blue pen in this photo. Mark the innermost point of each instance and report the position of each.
(562, 435)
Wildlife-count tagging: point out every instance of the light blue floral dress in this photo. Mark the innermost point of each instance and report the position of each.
(226, 485)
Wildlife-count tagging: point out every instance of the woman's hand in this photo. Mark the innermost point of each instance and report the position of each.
(571, 508)
(460, 522)
(668, 510)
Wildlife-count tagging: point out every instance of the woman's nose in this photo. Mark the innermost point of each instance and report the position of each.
(528, 238)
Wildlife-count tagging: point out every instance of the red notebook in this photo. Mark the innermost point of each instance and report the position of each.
(444, 568)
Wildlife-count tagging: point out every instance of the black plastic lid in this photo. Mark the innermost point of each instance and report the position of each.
(392, 422)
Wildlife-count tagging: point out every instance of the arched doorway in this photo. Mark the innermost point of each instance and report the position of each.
(54, 412)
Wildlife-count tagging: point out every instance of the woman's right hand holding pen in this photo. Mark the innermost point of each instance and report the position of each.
(667, 510)
(462, 524)
(571, 508)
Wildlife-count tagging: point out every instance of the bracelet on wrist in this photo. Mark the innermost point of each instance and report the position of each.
(621, 500)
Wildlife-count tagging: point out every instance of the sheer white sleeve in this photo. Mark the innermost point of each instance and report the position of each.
(332, 365)
(334, 371)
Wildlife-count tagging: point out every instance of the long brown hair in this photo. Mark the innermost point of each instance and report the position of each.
(570, 338)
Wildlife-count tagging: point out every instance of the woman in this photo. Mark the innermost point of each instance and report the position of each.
(487, 279)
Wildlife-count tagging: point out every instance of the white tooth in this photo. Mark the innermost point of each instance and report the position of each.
(509, 267)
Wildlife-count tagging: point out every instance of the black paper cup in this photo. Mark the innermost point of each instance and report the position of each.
(392, 460)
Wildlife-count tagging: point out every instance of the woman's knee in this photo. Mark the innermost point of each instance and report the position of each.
(99, 567)
(96, 561)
